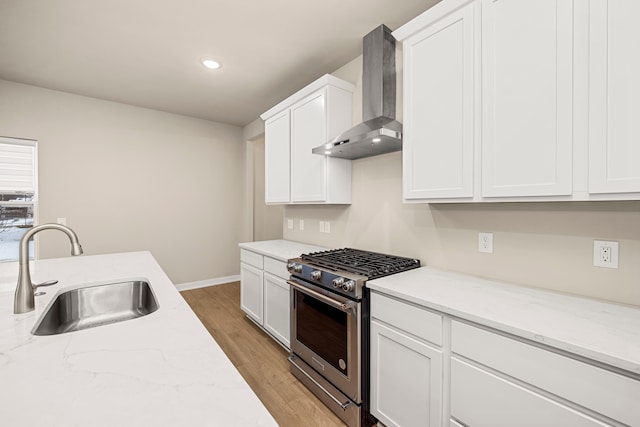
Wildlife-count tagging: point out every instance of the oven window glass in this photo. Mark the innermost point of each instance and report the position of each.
(323, 329)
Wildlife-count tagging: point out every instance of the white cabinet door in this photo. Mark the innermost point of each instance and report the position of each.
(406, 379)
(308, 130)
(585, 385)
(277, 162)
(305, 120)
(251, 291)
(481, 399)
(439, 85)
(614, 96)
(527, 97)
(276, 308)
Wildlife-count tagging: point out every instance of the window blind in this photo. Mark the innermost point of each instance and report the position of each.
(17, 166)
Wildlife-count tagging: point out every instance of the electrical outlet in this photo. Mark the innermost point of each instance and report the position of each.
(605, 254)
(290, 223)
(485, 243)
(325, 227)
(301, 224)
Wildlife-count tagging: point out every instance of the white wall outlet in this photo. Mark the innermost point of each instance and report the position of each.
(301, 224)
(290, 223)
(325, 227)
(62, 221)
(605, 254)
(485, 243)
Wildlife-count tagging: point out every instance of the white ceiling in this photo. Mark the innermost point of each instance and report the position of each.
(147, 52)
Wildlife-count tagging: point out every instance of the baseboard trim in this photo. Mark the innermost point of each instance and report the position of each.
(205, 283)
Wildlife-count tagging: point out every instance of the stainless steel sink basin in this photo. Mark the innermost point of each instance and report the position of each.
(97, 305)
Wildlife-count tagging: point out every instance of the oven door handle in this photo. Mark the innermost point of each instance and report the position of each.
(344, 306)
(343, 405)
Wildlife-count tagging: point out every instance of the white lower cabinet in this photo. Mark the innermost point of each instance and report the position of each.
(498, 381)
(406, 379)
(251, 291)
(482, 399)
(276, 308)
(406, 369)
(264, 293)
(431, 369)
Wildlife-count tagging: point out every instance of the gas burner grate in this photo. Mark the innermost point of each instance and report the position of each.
(370, 264)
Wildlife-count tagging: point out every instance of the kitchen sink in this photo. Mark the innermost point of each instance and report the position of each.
(97, 305)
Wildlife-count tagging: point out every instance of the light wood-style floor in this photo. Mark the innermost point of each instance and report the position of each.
(261, 361)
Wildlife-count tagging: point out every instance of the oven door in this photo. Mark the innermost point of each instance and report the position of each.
(326, 334)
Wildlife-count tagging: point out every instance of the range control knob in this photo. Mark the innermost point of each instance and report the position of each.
(294, 268)
(315, 275)
(337, 282)
(348, 286)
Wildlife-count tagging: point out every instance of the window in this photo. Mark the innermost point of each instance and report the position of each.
(18, 194)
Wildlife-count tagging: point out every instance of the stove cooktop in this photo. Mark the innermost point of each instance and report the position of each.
(372, 265)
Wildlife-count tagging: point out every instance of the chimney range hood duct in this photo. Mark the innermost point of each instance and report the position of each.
(379, 133)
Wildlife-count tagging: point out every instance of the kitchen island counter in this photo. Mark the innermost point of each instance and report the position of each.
(163, 369)
(598, 330)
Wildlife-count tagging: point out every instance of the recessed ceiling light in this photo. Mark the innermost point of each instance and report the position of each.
(211, 63)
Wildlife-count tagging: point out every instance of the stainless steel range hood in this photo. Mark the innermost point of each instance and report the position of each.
(379, 133)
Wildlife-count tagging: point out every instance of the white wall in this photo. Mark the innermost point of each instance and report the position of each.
(547, 245)
(129, 178)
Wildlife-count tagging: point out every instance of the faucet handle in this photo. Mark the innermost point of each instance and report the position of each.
(47, 283)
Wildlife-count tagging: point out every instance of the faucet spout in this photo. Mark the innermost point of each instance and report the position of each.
(24, 300)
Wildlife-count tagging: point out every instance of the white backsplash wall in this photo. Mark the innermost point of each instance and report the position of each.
(547, 245)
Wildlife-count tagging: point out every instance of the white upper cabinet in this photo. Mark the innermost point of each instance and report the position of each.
(614, 101)
(308, 172)
(277, 152)
(439, 108)
(521, 100)
(527, 97)
(310, 118)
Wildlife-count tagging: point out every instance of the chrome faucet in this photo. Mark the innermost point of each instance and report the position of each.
(24, 300)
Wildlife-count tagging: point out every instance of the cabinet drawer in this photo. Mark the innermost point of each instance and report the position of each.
(251, 258)
(481, 399)
(417, 321)
(606, 392)
(276, 267)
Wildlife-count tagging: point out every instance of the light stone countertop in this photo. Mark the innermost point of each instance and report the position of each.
(163, 369)
(602, 331)
(282, 250)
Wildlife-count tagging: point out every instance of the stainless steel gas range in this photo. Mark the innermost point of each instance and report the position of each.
(330, 325)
